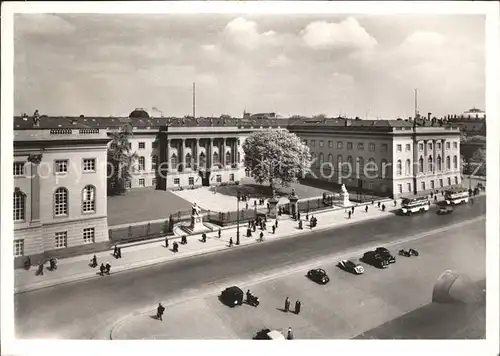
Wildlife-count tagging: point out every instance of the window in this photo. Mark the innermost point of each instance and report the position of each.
(456, 180)
(449, 181)
(447, 162)
(189, 160)
(383, 147)
(455, 162)
(202, 159)
(408, 167)
(191, 180)
(371, 147)
(423, 185)
(429, 162)
(219, 178)
(349, 145)
(18, 248)
(142, 145)
(61, 166)
(228, 158)
(408, 186)
(370, 185)
(430, 146)
(305, 142)
(88, 199)
(142, 163)
(384, 169)
(61, 239)
(321, 158)
(399, 167)
(330, 144)
(339, 163)
(19, 205)
(361, 146)
(153, 182)
(455, 144)
(441, 183)
(61, 202)
(173, 161)
(399, 148)
(447, 145)
(130, 145)
(432, 184)
(340, 145)
(142, 182)
(321, 143)
(89, 164)
(438, 145)
(400, 188)
(154, 163)
(371, 167)
(128, 184)
(361, 164)
(18, 169)
(438, 162)
(313, 143)
(231, 177)
(407, 147)
(215, 158)
(177, 181)
(349, 164)
(89, 235)
(420, 147)
(420, 165)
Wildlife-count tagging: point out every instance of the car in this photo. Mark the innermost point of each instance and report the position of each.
(374, 259)
(386, 254)
(409, 253)
(445, 210)
(268, 334)
(352, 267)
(232, 296)
(318, 275)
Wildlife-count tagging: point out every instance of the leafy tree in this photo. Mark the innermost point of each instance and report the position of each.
(275, 156)
(478, 162)
(120, 160)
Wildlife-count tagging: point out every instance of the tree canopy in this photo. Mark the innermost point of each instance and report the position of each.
(120, 160)
(275, 156)
(478, 162)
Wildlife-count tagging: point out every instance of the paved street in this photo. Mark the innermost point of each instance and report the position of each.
(86, 309)
(346, 307)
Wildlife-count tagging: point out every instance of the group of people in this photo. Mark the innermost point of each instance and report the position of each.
(41, 265)
(104, 268)
(117, 253)
(313, 221)
(298, 305)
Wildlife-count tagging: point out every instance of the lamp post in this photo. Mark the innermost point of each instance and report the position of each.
(238, 219)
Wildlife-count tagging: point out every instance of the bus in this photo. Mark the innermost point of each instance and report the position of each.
(415, 205)
(456, 196)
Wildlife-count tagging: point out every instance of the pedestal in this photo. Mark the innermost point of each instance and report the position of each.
(196, 223)
(273, 211)
(345, 199)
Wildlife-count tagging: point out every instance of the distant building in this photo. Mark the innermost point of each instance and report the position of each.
(472, 122)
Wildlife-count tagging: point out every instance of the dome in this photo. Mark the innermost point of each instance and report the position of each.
(139, 113)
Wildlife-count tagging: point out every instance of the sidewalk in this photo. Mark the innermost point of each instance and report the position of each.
(145, 254)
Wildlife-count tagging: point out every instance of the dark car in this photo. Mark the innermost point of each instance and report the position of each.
(232, 296)
(386, 254)
(374, 259)
(268, 334)
(445, 210)
(318, 275)
(351, 267)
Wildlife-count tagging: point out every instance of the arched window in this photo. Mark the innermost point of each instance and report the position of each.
(399, 167)
(420, 165)
(215, 158)
(228, 157)
(360, 165)
(447, 162)
(88, 199)
(173, 161)
(238, 157)
(321, 158)
(188, 160)
(19, 205)
(455, 162)
(330, 158)
(142, 163)
(202, 159)
(61, 202)
(384, 168)
(438, 162)
(429, 163)
(350, 165)
(154, 163)
(408, 167)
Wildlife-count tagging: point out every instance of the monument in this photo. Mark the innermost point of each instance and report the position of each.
(345, 197)
(293, 203)
(273, 202)
(196, 218)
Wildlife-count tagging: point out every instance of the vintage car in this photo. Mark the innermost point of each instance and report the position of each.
(374, 259)
(351, 267)
(232, 296)
(382, 251)
(318, 275)
(445, 210)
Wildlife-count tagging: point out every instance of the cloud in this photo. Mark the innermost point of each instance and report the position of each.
(42, 25)
(245, 34)
(279, 61)
(329, 35)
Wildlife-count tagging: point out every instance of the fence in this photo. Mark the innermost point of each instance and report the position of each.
(141, 232)
(231, 217)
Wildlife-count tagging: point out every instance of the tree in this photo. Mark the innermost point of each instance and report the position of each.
(478, 162)
(275, 156)
(120, 160)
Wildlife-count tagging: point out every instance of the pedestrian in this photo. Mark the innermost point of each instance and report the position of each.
(289, 334)
(383, 207)
(274, 229)
(268, 206)
(395, 203)
(378, 204)
(115, 252)
(249, 223)
(261, 236)
(349, 214)
(102, 268)
(255, 203)
(254, 228)
(300, 225)
(276, 223)
(230, 242)
(40, 269)
(176, 246)
(203, 237)
(246, 205)
(352, 209)
(93, 261)
(119, 252)
(435, 197)
(108, 268)
(366, 208)
(219, 233)
(287, 304)
(298, 215)
(159, 311)
(373, 202)
(166, 242)
(432, 195)
(297, 307)
(249, 232)
(307, 216)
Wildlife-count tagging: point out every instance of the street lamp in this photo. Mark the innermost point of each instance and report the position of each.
(238, 219)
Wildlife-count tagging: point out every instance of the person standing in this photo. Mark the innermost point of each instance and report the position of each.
(108, 268)
(103, 269)
(166, 242)
(119, 252)
(261, 236)
(349, 214)
(289, 334)
(297, 307)
(219, 233)
(276, 223)
(274, 229)
(93, 261)
(115, 252)
(230, 242)
(366, 208)
(159, 311)
(287, 304)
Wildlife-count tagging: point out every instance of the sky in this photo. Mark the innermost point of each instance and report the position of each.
(366, 66)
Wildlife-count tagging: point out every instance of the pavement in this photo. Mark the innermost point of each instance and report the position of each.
(87, 309)
(346, 307)
(142, 254)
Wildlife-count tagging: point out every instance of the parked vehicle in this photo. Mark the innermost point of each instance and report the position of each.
(252, 300)
(382, 251)
(374, 259)
(351, 267)
(232, 296)
(318, 275)
(409, 253)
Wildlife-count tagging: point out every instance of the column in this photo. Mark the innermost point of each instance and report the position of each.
(443, 155)
(35, 160)
(224, 152)
(197, 157)
(434, 168)
(425, 157)
(209, 152)
(183, 157)
(168, 156)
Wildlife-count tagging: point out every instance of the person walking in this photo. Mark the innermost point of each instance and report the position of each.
(166, 242)
(366, 208)
(103, 269)
(300, 225)
(298, 304)
(93, 261)
(289, 335)
(274, 229)
(108, 268)
(261, 236)
(383, 207)
(352, 208)
(219, 233)
(159, 311)
(230, 242)
(287, 304)
(119, 252)
(40, 269)
(115, 252)
(378, 204)
(276, 223)
(349, 214)
(246, 205)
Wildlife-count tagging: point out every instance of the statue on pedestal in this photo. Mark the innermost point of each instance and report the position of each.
(196, 210)
(345, 196)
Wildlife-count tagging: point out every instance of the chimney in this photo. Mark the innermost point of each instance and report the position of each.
(429, 116)
(36, 119)
(410, 119)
